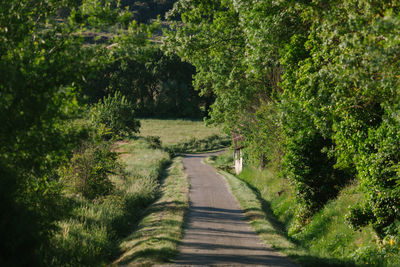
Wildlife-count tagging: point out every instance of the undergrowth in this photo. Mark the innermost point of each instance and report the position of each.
(91, 234)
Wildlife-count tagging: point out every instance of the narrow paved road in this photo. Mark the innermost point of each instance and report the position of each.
(216, 232)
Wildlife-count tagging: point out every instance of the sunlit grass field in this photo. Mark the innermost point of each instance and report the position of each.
(173, 131)
(185, 136)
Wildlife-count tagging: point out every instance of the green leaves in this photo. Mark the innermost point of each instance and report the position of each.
(88, 171)
(319, 78)
(43, 66)
(115, 113)
(347, 86)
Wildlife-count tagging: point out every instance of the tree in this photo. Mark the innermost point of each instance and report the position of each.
(43, 66)
(115, 114)
(328, 70)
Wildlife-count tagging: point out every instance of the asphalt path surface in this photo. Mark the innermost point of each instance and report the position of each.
(216, 232)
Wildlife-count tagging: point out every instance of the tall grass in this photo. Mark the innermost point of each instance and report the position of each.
(158, 234)
(91, 234)
(327, 239)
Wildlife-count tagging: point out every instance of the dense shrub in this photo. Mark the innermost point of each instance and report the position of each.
(89, 170)
(378, 173)
(307, 163)
(115, 115)
(348, 86)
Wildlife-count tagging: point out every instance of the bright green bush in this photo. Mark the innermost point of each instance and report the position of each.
(116, 115)
(307, 162)
(350, 89)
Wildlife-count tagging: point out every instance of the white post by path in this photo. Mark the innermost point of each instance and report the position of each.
(238, 161)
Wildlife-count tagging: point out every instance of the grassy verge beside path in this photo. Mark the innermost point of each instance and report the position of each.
(326, 240)
(91, 234)
(160, 230)
(267, 225)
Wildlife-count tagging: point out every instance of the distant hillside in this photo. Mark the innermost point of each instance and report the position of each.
(145, 10)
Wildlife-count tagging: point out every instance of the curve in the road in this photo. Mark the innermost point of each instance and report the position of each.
(216, 232)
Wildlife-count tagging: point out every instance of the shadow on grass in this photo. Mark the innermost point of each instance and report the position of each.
(210, 143)
(280, 229)
(157, 255)
(152, 240)
(278, 226)
(171, 206)
(158, 245)
(149, 237)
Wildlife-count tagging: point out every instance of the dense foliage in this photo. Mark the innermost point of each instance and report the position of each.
(157, 85)
(313, 86)
(88, 172)
(114, 116)
(44, 70)
(38, 69)
(312, 83)
(145, 10)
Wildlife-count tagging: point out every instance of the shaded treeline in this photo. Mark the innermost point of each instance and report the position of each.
(142, 11)
(145, 10)
(158, 85)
